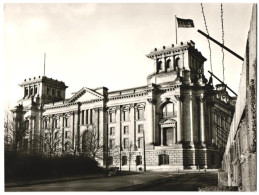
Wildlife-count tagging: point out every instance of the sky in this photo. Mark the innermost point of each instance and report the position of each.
(94, 45)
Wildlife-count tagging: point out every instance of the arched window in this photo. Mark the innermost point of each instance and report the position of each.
(177, 63)
(112, 116)
(53, 92)
(168, 64)
(26, 92)
(35, 90)
(168, 111)
(31, 91)
(125, 114)
(140, 112)
(159, 65)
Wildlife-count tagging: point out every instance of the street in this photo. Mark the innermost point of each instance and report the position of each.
(148, 181)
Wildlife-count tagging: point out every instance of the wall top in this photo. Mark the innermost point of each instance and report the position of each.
(165, 50)
(42, 79)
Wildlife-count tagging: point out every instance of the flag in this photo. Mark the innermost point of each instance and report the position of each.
(185, 23)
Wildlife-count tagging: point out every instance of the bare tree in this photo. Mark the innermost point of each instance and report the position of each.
(14, 129)
(92, 142)
(130, 150)
(52, 140)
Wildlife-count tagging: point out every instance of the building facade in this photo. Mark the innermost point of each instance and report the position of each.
(179, 120)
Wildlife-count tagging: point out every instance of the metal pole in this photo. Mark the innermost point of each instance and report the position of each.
(144, 148)
(222, 82)
(176, 28)
(221, 45)
(44, 63)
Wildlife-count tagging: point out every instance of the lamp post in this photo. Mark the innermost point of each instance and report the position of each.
(144, 148)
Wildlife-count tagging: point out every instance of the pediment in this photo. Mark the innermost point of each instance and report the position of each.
(168, 122)
(85, 94)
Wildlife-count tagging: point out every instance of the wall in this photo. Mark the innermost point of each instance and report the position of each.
(239, 161)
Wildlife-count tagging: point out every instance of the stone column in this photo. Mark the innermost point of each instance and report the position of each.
(162, 136)
(63, 132)
(164, 62)
(191, 119)
(179, 117)
(202, 120)
(155, 65)
(175, 135)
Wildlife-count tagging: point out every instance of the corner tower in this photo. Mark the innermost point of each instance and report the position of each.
(176, 63)
(43, 90)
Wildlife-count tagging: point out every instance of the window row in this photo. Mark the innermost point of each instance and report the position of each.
(32, 90)
(56, 135)
(55, 123)
(125, 116)
(163, 159)
(53, 92)
(87, 117)
(140, 129)
(124, 160)
(126, 144)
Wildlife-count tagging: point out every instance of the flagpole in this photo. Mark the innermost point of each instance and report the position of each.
(44, 63)
(175, 29)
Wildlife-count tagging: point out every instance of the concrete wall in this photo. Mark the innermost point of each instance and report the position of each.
(239, 161)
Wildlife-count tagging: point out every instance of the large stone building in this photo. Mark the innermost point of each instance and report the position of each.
(177, 120)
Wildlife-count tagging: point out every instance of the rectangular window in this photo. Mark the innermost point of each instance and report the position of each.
(124, 160)
(163, 159)
(140, 142)
(86, 117)
(140, 128)
(66, 134)
(125, 143)
(112, 130)
(83, 117)
(45, 124)
(139, 160)
(112, 143)
(112, 117)
(140, 114)
(126, 130)
(66, 122)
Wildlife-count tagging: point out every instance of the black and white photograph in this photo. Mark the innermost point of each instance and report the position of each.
(129, 97)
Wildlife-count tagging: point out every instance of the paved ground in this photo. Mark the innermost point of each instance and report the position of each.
(149, 181)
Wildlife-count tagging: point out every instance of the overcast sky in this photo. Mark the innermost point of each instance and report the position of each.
(93, 45)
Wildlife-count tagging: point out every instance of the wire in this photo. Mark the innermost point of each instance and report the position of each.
(223, 41)
(208, 34)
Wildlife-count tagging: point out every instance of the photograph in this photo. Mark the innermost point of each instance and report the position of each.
(129, 97)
